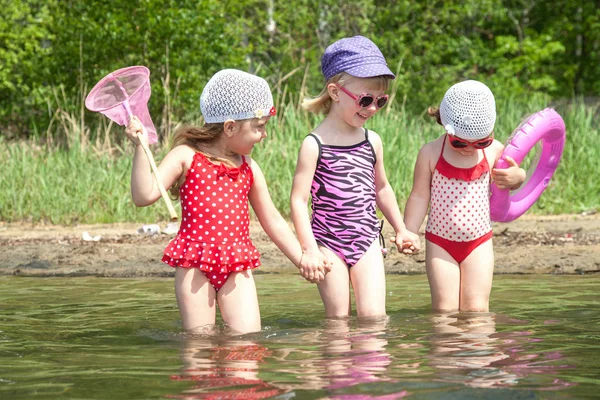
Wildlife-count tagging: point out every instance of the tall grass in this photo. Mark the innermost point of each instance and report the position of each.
(74, 173)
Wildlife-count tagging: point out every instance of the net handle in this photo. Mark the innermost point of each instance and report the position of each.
(161, 187)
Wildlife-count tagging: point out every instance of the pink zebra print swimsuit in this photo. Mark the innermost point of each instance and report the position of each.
(344, 217)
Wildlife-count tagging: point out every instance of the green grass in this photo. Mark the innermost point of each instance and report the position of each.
(86, 179)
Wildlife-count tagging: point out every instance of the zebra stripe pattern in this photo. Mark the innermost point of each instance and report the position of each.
(344, 217)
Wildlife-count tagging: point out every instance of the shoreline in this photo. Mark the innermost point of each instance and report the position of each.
(562, 244)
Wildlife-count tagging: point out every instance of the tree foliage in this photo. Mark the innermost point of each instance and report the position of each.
(518, 47)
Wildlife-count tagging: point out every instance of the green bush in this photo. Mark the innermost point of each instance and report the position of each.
(519, 48)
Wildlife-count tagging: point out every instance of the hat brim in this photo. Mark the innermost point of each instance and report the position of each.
(370, 72)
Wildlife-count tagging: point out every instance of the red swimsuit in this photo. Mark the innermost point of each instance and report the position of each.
(214, 232)
(459, 215)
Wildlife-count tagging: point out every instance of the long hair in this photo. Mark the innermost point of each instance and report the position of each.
(322, 103)
(198, 138)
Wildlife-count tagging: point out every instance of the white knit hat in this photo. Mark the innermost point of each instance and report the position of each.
(236, 95)
(468, 110)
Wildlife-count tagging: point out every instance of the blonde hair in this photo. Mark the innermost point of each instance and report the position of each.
(197, 138)
(322, 103)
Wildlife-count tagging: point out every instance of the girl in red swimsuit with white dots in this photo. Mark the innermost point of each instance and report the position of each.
(452, 178)
(211, 172)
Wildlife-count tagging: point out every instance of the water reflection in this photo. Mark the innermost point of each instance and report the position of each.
(223, 368)
(357, 356)
(353, 359)
(465, 348)
(120, 339)
(345, 359)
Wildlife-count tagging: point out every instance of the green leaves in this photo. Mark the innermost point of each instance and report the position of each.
(517, 47)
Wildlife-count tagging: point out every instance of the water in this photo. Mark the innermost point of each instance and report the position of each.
(90, 338)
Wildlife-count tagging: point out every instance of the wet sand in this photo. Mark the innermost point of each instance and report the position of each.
(565, 244)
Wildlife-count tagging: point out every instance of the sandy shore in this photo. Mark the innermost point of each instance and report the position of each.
(566, 244)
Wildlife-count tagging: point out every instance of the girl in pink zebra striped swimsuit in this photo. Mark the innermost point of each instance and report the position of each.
(452, 179)
(340, 166)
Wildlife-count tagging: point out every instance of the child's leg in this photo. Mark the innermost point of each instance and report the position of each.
(368, 282)
(443, 274)
(196, 299)
(477, 273)
(335, 289)
(238, 302)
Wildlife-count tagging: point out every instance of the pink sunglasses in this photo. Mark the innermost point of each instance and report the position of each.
(365, 100)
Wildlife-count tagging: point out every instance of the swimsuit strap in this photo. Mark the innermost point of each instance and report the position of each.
(441, 156)
(485, 157)
(316, 138)
(488, 164)
(370, 146)
(319, 144)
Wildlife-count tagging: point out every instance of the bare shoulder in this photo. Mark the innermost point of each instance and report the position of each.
(182, 154)
(311, 141)
(253, 164)
(373, 135)
(495, 150)
(375, 139)
(310, 147)
(429, 153)
(182, 151)
(432, 149)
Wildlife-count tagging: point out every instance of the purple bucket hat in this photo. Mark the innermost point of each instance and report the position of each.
(357, 56)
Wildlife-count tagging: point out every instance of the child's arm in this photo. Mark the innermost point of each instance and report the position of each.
(313, 260)
(144, 190)
(510, 178)
(405, 240)
(418, 201)
(270, 219)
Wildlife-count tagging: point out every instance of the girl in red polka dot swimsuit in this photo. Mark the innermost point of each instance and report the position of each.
(209, 168)
(452, 178)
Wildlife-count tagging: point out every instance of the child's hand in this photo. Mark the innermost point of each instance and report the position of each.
(325, 264)
(135, 131)
(314, 266)
(407, 242)
(511, 177)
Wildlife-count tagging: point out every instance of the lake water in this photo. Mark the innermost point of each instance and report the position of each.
(91, 338)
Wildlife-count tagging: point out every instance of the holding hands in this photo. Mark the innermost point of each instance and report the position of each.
(407, 242)
(314, 266)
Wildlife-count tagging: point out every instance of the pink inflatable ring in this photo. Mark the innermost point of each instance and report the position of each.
(548, 128)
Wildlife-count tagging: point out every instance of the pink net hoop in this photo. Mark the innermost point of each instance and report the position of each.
(122, 94)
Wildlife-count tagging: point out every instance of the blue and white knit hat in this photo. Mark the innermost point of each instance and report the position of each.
(236, 95)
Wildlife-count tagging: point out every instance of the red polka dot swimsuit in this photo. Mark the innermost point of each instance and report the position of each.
(214, 233)
(459, 214)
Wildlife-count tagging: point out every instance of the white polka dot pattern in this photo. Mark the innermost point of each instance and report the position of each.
(214, 234)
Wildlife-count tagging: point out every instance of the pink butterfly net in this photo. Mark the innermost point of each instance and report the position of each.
(122, 94)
